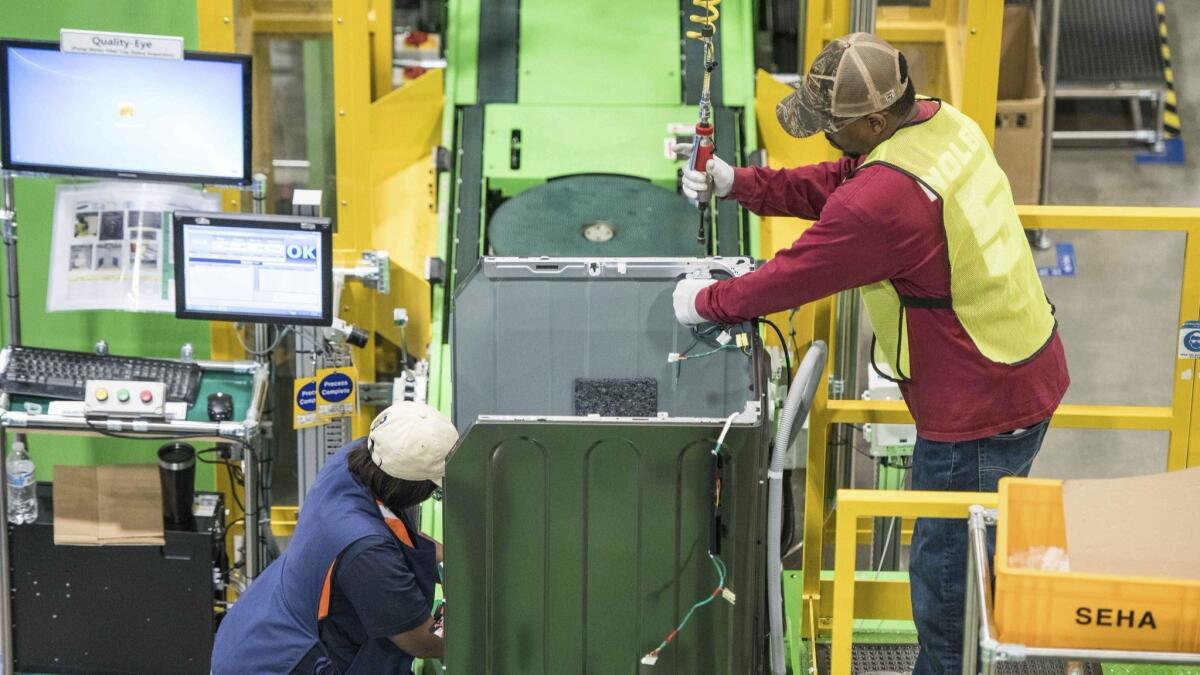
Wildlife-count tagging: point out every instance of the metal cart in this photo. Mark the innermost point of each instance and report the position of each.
(980, 643)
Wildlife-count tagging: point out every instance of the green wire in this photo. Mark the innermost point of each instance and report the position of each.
(720, 567)
(708, 353)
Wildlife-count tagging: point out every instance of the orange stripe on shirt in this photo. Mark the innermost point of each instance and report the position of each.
(326, 589)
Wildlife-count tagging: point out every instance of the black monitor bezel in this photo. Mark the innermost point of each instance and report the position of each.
(6, 160)
(181, 219)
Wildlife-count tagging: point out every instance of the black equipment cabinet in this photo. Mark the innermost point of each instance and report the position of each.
(116, 609)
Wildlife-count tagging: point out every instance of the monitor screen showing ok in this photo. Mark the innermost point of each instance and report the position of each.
(242, 267)
(184, 120)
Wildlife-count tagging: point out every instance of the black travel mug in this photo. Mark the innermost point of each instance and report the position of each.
(177, 472)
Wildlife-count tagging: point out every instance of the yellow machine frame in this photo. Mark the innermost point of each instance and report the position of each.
(386, 183)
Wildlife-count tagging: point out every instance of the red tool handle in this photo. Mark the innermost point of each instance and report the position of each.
(704, 146)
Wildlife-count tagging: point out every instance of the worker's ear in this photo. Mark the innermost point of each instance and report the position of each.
(877, 122)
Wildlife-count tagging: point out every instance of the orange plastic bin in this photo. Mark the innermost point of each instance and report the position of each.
(1074, 610)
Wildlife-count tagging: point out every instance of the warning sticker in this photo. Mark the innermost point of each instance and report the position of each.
(1189, 340)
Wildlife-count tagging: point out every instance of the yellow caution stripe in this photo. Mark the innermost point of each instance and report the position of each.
(1171, 107)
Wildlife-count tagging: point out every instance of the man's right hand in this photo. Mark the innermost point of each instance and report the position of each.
(684, 300)
(718, 170)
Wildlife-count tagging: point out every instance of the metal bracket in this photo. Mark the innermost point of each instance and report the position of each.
(375, 393)
(381, 278)
(374, 272)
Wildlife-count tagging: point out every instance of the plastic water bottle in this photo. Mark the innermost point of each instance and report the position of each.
(22, 498)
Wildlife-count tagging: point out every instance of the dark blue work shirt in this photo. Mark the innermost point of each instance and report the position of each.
(375, 594)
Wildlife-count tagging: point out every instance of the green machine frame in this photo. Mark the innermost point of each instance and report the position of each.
(574, 545)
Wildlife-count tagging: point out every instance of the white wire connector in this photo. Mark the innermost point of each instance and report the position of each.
(724, 338)
(728, 595)
(650, 659)
(674, 357)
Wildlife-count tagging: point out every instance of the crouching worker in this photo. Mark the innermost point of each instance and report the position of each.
(353, 592)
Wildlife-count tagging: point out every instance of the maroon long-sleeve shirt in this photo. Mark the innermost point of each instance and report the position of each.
(878, 224)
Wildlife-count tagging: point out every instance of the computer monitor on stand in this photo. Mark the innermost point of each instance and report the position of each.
(253, 268)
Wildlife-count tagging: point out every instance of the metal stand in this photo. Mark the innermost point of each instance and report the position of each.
(9, 227)
(978, 640)
(8, 222)
(1051, 95)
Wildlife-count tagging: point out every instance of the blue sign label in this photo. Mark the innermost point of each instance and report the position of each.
(1191, 341)
(306, 398)
(1064, 259)
(336, 387)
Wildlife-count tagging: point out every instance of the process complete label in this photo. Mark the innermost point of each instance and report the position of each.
(336, 391)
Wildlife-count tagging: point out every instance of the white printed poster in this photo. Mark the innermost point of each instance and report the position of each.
(112, 248)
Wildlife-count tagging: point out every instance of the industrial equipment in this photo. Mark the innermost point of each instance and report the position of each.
(606, 507)
(71, 604)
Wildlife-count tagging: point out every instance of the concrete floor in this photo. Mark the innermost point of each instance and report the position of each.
(1119, 315)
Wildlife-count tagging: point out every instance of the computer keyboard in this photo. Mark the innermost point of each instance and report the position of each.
(52, 373)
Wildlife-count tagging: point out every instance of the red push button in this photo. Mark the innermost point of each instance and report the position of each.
(147, 396)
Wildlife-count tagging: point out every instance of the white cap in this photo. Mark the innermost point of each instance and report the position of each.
(411, 441)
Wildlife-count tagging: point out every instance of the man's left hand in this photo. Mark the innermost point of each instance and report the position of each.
(684, 300)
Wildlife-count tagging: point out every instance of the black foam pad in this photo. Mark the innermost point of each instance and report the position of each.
(617, 397)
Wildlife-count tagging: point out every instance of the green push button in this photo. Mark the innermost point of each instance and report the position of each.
(123, 395)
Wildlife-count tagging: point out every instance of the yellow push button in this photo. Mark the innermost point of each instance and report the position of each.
(102, 394)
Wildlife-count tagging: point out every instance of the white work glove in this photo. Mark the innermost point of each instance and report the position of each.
(695, 181)
(684, 299)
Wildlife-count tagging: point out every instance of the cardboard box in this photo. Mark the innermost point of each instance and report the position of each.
(1020, 106)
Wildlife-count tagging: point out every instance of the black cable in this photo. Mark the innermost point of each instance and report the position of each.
(787, 359)
(233, 487)
(231, 524)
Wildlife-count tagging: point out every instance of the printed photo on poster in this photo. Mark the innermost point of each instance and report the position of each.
(111, 245)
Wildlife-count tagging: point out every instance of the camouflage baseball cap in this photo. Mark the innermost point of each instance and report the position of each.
(854, 75)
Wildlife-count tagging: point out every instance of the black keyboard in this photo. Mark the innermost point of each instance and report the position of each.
(52, 373)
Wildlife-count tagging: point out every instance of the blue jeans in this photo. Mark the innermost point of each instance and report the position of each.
(938, 559)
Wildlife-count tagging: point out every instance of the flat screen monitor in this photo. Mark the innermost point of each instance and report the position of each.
(125, 116)
(252, 268)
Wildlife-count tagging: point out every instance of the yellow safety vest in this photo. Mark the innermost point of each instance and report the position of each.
(994, 287)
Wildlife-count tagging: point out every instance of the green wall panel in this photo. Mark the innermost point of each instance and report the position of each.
(564, 140)
(599, 53)
(141, 334)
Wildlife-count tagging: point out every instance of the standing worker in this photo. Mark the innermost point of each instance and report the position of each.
(918, 215)
(352, 594)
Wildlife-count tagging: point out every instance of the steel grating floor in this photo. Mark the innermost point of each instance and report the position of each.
(900, 658)
(1106, 41)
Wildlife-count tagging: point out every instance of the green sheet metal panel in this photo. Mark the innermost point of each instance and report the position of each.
(566, 140)
(599, 53)
(462, 43)
(575, 547)
(141, 334)
(736, 27)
